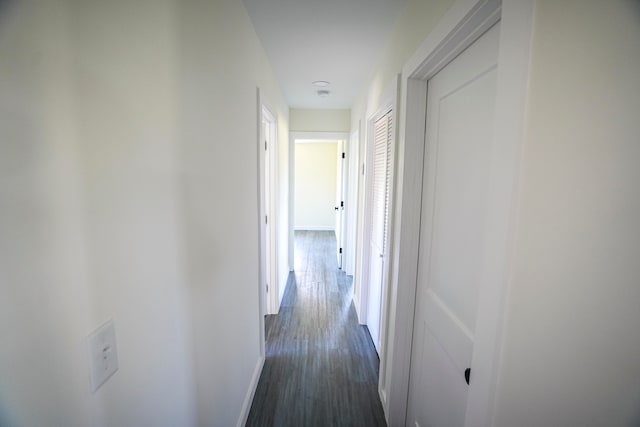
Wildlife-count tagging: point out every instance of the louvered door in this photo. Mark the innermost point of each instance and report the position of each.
(379, 222)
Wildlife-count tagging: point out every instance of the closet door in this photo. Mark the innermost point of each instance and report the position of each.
(380, 179)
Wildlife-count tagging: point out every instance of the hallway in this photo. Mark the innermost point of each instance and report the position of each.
(321, 368)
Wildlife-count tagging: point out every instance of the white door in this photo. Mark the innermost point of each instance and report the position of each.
(340, 220)
(380, 181)
(460, 110)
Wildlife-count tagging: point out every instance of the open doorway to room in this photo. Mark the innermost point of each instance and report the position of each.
(317, 194)
(320, 199)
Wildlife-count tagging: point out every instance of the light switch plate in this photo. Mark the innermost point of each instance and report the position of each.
(103, 354)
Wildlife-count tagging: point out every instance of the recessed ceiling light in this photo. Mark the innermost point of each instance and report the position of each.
(321, 83)
(323, 93)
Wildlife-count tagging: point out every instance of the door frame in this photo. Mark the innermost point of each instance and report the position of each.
(388, 103)
(267, 160)
(463, 23)
(342, 180)
(307, 137)
(353, 154)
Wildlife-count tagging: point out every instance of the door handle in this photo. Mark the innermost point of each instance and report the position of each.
(467, 375)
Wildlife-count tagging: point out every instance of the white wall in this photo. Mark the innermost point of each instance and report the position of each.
(118, 199)
(315, 185)
(126, 110)
(90, 217)
(222, 64)
(45, 303)
(308, 120)
(571, 347)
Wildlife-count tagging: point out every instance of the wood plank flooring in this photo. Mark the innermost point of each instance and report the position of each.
(321, 368)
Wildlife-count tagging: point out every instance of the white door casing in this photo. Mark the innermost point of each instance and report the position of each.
(459, 137)
(351, 203)
(344, 186)
(266, 128)
(340, 197)
(267, 142)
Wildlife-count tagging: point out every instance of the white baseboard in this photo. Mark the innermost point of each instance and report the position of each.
(356, 304)
(314, 228)
(246, 406)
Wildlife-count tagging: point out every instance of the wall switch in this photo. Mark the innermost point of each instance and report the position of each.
(103, 354)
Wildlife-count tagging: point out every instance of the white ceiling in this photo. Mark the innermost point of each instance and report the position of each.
(334, 40)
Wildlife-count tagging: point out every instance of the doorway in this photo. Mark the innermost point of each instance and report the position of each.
(319, 182)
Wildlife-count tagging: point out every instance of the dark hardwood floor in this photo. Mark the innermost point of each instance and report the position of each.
(321, 368)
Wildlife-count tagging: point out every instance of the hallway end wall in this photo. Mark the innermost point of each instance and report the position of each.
(315, 186)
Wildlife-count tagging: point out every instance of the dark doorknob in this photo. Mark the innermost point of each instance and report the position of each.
(336, 208)
(467, 375)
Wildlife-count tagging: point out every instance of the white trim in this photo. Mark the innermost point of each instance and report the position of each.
(274, 279)
(267, 112)
(318, 141)
(319, 136)
(248, 399)
(261, 237)
(290, 231)
(353, 176)
(461, 25)
(314, 228)
(514, 60)
(405, 252)
(360, 221)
